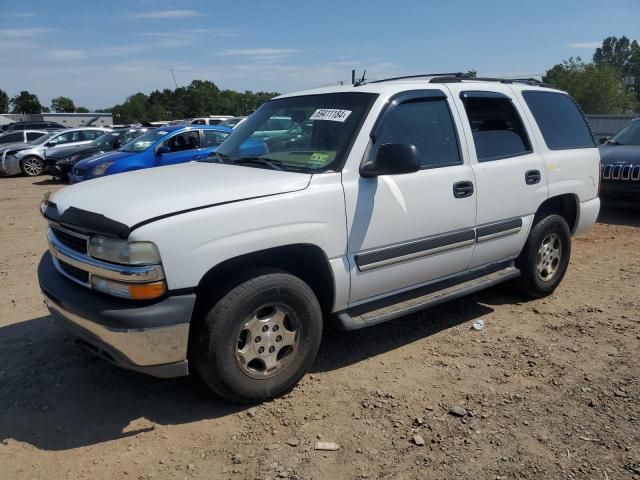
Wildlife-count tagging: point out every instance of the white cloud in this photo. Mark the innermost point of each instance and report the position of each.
(18, 15)
(67, 54)
(17, 33)
(165, 14)
(260, 52)
(586, 45)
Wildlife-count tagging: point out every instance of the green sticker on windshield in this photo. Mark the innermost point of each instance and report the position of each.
(319, 158)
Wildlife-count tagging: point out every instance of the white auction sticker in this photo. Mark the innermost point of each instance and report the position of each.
(333, 114)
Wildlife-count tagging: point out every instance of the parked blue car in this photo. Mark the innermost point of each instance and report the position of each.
(162, 146)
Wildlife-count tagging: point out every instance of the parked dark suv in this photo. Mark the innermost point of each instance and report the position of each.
(620, 177)
(34, 125)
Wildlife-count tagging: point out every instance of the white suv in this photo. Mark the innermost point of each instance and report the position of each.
(396, 195)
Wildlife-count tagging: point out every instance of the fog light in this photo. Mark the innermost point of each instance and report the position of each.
(133, 291)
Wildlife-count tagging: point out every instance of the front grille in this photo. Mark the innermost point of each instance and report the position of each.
(69, 240)
(74, 272)
(625, 173)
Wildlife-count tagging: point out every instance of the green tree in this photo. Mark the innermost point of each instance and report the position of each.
(596, 88)
(4, 102)
(26, 102)
(63, 105)
(82, 110)
(623, 55)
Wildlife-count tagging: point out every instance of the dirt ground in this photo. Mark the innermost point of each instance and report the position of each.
(551, 387)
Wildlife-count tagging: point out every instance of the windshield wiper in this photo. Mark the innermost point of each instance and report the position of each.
(273, 164)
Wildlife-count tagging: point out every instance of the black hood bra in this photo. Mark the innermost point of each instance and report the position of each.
(620, 154)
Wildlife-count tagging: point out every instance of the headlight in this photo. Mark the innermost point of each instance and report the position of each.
(123, 252)
(100, 169)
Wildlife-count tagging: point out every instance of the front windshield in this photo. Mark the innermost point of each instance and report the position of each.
(629, 135)
(43, 138)
(143, 142)
(310, 133)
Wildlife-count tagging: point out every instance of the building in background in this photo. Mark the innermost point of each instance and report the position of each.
(70, 120)
(608, 125)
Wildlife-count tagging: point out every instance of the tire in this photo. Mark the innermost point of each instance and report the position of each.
(544, 259)
(32, 166)
(259, 339)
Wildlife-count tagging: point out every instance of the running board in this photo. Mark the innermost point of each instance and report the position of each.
(413, 301)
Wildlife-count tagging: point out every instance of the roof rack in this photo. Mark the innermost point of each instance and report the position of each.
(407, 77)
(460, 78)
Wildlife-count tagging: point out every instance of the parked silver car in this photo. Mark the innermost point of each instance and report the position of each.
(20, 136)
(28, 159)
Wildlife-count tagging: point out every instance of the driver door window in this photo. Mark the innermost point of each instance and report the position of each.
(427, 124)
(184, 141)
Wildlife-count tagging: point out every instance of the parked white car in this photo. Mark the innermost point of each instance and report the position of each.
(28, 159)
(400, 195)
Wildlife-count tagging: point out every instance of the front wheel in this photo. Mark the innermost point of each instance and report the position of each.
(545, 257)
(32, 166)
(258, 340)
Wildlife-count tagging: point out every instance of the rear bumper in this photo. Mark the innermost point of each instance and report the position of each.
(150, 338)
(587, 215)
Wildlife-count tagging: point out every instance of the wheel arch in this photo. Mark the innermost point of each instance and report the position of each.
(566, 205)
(306, 261)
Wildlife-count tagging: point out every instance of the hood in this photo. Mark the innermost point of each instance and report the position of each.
(113, 156)
(18, 147)
(64, 152)
(13, 146)
(143, 195)
(620, 154)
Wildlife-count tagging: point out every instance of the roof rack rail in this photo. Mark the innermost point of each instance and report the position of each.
(407, 77)
(460, 78)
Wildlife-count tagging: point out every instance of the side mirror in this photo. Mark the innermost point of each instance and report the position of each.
(392, 159)
(162, 150)
(603, 140)
(51, 143)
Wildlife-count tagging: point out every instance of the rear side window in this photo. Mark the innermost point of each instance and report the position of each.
(33, 135)
(12, 138)
(562, 124)
(427, 124)
(497, 128)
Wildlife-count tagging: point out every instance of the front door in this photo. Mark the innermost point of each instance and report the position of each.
(406, 230)
(510, 174)
(183, 148)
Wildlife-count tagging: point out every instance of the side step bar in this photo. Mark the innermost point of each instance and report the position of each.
(415, 300)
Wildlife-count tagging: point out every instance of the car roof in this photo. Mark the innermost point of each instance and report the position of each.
(174, 128)
(392, 87)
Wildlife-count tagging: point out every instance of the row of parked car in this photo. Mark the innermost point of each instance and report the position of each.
(79, 154)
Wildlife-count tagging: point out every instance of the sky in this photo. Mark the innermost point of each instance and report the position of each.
(100, 52)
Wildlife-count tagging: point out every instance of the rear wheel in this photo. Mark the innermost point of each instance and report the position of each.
(32, 166)
(258, 340)
(544, 259)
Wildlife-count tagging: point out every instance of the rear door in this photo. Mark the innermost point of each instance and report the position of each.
(509, 171)
(183, 148)
(210, 140)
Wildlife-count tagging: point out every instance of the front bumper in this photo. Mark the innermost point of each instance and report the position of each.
(619, 193)
(10, 165)
(149, 337)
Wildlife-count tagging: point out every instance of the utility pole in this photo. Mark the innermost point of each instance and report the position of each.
(174, 78)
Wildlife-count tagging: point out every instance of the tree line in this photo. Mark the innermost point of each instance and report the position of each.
(603, 85)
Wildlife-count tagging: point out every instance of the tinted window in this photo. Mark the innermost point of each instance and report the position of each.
(68, 137)
(213, 138)
(215, 121)
(427, 124)
(497, 129)
(91, 134)
(561, 122)
(12, 138)
(183, 141)
(33, 135)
